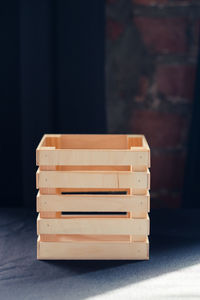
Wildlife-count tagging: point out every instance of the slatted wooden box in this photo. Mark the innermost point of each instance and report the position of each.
(93, 198)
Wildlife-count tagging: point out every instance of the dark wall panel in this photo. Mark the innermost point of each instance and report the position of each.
(80, 66)
(52, 75)
(10, 122)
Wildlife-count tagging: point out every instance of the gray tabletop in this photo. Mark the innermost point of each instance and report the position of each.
(173, 271)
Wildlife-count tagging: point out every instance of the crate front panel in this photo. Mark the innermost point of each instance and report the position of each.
(93, 225)
(90, 164)
(139, 204)
(93, 250)
(92, 179)
(58, 157)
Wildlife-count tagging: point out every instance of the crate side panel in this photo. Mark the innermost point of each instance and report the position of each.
(118, 203)
(74, 157)
(93, 226)
(90, 179)
(59, 250)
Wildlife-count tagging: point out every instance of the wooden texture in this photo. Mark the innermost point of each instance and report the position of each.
(92, 179)
(93, 225)
(138, 204)
(90, 238)
(50, 156)
(93, 150)
(93, 199)
(93, 250)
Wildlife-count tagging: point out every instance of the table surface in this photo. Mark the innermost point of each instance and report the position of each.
(173, 271)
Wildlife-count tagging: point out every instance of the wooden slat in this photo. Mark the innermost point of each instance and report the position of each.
(90, 238)
(137, 156)
(93, 226)
(138, 204)
(92, 179)
(92, 250)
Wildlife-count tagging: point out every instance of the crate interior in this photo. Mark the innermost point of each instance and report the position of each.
(84, 238)
(67, 141)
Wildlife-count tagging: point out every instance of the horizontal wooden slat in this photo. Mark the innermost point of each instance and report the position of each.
(139, 204)
(137, 156)
(93, 226)
(92, 179)
(91, 238)
(92, 250)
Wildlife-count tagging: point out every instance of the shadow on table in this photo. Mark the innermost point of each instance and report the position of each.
(174, 245)
(96, 277)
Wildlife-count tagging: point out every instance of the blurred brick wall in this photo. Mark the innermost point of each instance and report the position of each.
(151, 56)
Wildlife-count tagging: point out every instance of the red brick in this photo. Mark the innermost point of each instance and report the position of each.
(161, 129)
(114, 29)
(167, 171)
(176, 80)
(163, 35)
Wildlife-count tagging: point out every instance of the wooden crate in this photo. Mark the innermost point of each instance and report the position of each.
(93, 199)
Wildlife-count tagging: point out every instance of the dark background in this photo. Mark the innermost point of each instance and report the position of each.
(52, 75)
(101, 67)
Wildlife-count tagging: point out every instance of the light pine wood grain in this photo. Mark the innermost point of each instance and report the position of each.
(92, 179)
(50, 156)
(93, 225)
(137, 204)
(93, 150)
(93, 250)
(93, 168)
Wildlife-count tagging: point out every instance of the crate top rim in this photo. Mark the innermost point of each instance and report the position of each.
(125, 142)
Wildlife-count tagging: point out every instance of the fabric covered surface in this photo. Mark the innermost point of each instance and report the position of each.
(173, 271)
